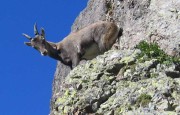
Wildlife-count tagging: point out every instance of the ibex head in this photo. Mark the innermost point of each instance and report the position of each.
(38, 42)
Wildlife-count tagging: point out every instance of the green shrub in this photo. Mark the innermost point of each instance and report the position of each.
(153, 51)
(143, 100)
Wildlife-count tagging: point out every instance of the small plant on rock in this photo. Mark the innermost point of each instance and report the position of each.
(143, 100)
(153, 51)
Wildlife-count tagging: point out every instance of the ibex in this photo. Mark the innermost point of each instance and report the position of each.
(86, 43)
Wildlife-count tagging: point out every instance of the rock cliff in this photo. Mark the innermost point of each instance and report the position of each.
(121, 82)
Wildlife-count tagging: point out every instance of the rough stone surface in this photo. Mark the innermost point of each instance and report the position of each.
(117, 83)
(112, 82)
(151, 20)
(61, 72)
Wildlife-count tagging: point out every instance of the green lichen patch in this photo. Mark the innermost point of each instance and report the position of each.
(118, 82)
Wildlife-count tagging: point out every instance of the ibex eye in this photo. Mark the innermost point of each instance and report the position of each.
(42, 41)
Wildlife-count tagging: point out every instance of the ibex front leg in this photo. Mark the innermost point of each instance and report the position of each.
(75, 60)
(80, 50)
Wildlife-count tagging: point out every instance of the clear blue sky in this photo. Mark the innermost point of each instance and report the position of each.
(26, 76)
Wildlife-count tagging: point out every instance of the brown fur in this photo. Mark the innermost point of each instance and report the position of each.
(86, 43)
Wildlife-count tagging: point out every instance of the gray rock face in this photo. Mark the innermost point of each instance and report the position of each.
(118, 83)
(95, 11)
(150, 20)
(61, 72)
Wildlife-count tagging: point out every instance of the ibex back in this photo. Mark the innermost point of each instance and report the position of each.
(86, 43)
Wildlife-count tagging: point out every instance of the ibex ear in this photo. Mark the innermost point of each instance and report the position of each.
(43, 32)
(28, 43)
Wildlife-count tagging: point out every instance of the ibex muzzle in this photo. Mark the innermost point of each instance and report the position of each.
(86, 43)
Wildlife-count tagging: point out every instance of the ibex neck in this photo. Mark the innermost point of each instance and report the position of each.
(52, 50)
(54, 53)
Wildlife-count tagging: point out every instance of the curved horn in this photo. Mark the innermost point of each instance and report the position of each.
(27, 36)
(35, 29)
(43, 32)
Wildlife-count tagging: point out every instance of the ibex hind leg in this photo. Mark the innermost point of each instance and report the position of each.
(110, 39)
(101, 45)
(107, 44)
